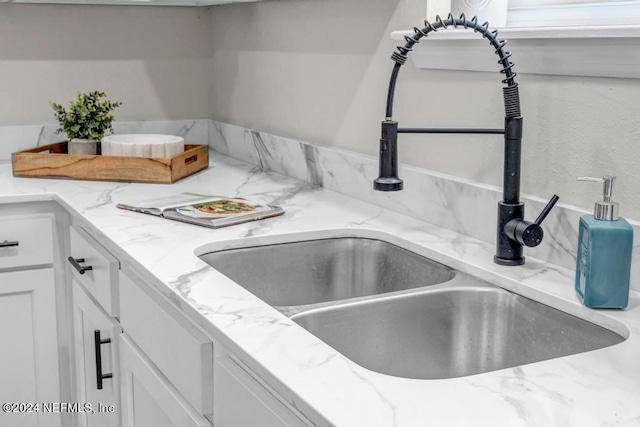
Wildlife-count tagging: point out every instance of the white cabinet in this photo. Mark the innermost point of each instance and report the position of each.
(95, 268)
(176, 347)
(96, 350)
(29, 353)
(61, 341)
(167, 362)
(171, 378)
(148, 398)
(241, 401)
(29, 356)
(162, 366)
(94, 281)
(25, 241)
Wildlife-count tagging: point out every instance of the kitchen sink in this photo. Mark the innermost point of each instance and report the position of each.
(395, 312)
(315, 271)
(465, 329)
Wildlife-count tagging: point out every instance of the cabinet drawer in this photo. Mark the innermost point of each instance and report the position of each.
(101, 280)
(179, 350)
(25, 241)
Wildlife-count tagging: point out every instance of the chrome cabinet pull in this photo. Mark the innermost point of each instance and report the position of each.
(75, 262)
(98, 342)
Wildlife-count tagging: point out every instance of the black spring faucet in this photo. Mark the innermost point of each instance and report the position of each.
(513, 231)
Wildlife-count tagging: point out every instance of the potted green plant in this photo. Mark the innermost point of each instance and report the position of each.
(86, 121)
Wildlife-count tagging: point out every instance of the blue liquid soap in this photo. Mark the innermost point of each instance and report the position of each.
(605, 243)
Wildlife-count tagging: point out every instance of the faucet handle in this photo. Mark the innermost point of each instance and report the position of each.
(546, 210)
(529, 233)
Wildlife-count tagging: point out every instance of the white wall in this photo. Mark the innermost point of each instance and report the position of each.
(318, 70)
(155, 60)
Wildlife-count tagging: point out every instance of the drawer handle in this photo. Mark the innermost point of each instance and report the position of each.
(8, 244)
(98, 342)
(75, 262)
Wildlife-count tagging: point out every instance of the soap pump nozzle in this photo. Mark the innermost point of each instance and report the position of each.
(606, 210)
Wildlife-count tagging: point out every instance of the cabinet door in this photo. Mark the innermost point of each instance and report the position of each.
(104, 401)
(148, 398)
(29, 346)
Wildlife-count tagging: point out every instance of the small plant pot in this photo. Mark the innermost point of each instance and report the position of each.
(83, 146)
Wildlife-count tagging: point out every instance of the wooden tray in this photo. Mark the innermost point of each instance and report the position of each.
(52, 161)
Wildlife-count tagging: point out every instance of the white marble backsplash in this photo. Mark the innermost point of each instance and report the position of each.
(460, 205)
(456, 204)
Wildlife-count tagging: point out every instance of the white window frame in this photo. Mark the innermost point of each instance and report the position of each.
(573, 13)
(577, 37)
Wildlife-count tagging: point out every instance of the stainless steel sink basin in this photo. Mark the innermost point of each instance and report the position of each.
(452, 331)
(398, 313)
(316, 271)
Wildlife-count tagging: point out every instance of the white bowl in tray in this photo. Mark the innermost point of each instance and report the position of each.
(142, 145)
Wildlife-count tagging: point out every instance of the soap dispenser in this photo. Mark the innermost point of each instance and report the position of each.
(605, 242)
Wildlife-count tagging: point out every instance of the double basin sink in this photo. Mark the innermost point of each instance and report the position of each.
(395, 312)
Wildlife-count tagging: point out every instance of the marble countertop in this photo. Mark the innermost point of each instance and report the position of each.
(591, 389)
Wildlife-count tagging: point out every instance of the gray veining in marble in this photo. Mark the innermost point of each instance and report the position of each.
(456, 204)
(590, 389)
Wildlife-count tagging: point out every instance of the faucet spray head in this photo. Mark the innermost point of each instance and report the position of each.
(388, 179)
